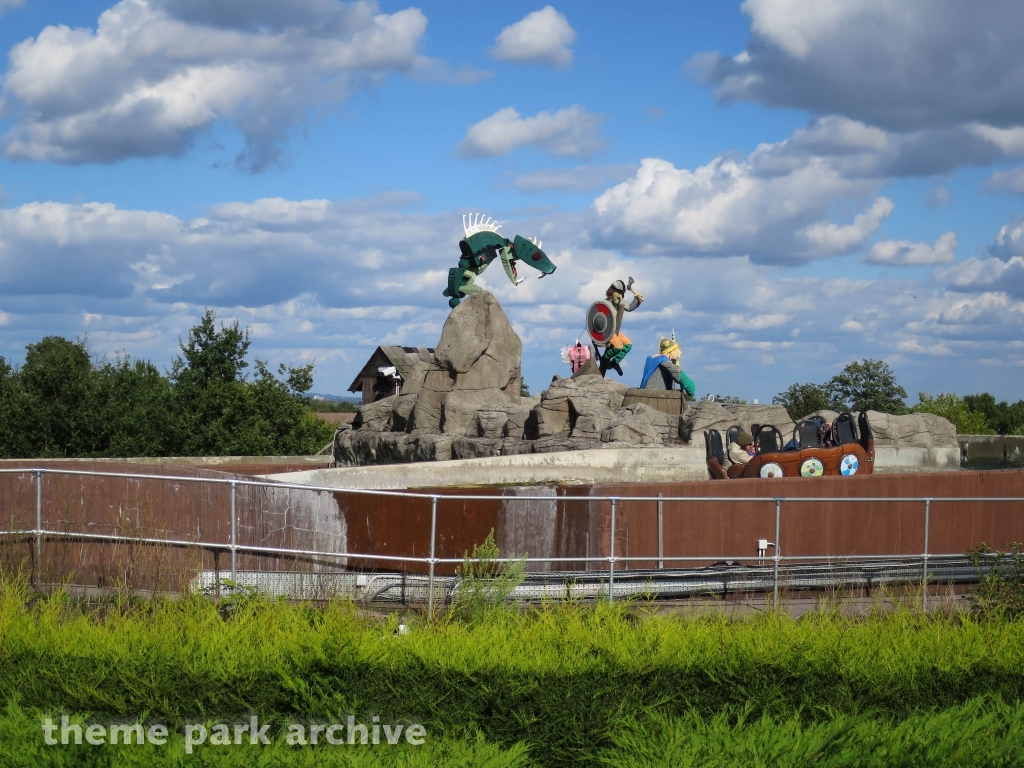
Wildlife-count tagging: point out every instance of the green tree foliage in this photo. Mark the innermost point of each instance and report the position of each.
(1001, 418)
(802, 400)
(61, 404)
(867, 385)
(953, 408)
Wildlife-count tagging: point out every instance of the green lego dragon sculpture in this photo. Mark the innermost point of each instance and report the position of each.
(482, 245)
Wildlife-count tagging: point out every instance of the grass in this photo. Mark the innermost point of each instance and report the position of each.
(552, 686)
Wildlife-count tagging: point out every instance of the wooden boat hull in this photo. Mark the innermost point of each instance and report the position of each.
(843, 460)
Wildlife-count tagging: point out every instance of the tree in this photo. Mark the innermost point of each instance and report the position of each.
(60, 415)
(135, 408)
(955, 409)
(212, 355)
(801, 400)
(867, 385)
(220, 412)
(1001, 418)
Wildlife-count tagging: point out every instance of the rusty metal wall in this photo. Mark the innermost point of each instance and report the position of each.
(557, 527)
(164, 509)
(564, 522)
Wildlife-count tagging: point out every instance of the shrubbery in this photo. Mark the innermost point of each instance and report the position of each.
(577, 684)
(62, 404)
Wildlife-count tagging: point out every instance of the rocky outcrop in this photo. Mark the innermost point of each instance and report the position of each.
(748, 415)
(465, 403)
(640, 423)
(704, 415)
(365, 447)
(913, 430)
(476, 362)
(375, 417)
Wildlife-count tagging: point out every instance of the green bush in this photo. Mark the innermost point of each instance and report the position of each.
(950, 406)
(1000, 588)
(981, 732)
(485, 581)
(561, 680)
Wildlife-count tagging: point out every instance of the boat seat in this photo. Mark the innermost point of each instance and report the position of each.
(730, 436)
(844, 430)
(866, 435)
(767, 439)
(715, 454)
(805, 433)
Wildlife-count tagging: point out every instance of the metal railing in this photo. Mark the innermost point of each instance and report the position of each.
(318, 556)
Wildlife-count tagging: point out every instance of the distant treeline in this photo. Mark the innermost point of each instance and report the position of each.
(63, 404)
(871, 385)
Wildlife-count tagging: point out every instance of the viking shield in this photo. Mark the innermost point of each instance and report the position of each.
(601, 321)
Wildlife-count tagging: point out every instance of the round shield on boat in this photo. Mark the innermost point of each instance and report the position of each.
(849, 465)
(812, 468)
(601, 321)
(771, 469)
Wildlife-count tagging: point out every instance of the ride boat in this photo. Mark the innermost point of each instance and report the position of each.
(817, 448)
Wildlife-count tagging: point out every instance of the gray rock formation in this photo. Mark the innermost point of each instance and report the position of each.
(748, 415)
(640, 423)
(465, 403)
(551, 416)
(827, 415)
(476, 362)
(516, 423)
(491, 418)
(375, 417)
(913, 430)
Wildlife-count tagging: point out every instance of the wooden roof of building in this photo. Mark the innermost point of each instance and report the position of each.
(403, 358)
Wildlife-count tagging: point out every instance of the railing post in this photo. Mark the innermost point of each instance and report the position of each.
(775, 578)
(430, 566)
(924, 573)
(39, 529)
(661, 534)
(611, 557)
(234, 537)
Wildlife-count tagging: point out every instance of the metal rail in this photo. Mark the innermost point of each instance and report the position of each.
(928, 571)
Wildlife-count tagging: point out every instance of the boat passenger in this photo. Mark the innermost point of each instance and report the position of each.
(742, 448)
(662, 371)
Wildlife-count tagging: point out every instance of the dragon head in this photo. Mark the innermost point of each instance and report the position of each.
(529, 252)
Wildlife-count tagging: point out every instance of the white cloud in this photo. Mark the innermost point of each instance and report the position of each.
(5, 4)
(362, 271)
(732, 207)
(153, 75)
(986, 274)
(904, 66)
(1011, 181)
(570, 132)
(904, 253)
(830, 237)
(582, 178)
(1010, 239)
(541, 37)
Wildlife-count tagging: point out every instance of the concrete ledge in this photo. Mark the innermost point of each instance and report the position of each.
(992, 447)
(607, 465)
(889, 458)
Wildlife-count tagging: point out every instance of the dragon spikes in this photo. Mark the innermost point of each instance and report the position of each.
(536, 241)
(478, 222)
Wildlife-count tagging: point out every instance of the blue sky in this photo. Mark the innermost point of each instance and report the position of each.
(793, 184)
